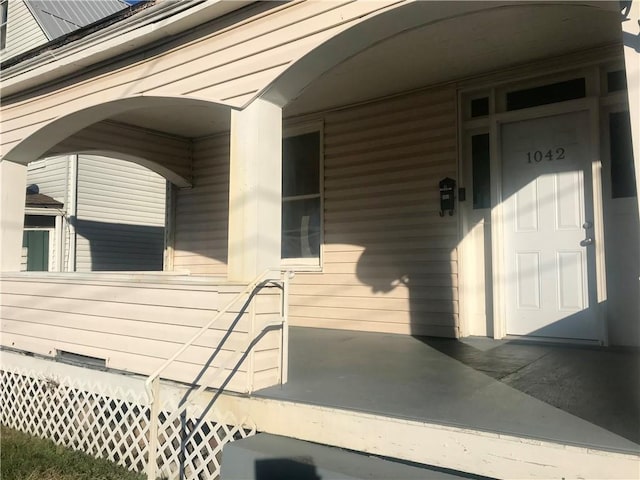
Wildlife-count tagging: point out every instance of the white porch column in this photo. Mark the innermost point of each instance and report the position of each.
(631, 41)
(13, 187)
(255, 190)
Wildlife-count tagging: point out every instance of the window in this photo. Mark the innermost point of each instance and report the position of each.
(480, 171)
(4, 12)
(623, 178)
(616, 81)
(301, 200)
(480, 107)
(546, 94)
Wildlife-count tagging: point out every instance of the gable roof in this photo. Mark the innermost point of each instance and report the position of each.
(57, 18)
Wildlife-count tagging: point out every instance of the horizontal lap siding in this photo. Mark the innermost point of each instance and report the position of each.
(201, 225)
(267, 353)
(229, 65)
(167, 152)
(390, 260)
(51, 175)
(135, 327)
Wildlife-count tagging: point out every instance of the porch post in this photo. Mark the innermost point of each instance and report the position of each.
(631, 42)
(13, 187)
(255, 190)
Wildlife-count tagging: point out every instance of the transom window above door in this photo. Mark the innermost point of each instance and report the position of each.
(301, 199)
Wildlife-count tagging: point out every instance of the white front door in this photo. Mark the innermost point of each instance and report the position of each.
(548, 227)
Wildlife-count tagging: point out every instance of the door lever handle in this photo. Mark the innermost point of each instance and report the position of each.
(586, 242)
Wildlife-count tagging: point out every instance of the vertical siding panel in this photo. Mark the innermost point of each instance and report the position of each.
(120, 216)
(390, 262)
(200, 244)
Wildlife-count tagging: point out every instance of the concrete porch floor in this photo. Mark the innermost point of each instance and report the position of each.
(574, 395)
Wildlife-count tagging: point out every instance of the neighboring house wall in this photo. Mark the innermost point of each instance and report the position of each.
(34, 23)
(120, 211)
(23, 32)
(57, 18)
(201, 212)
(51, 176)
(120, 216)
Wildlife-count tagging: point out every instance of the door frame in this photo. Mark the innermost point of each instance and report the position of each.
(52, 251)
(591, 106)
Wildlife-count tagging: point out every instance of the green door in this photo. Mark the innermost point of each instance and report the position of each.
(37, 245)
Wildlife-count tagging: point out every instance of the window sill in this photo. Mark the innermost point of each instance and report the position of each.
(295, 266)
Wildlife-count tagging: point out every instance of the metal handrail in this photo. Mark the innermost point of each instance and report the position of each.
(250, 287)
(152, 383)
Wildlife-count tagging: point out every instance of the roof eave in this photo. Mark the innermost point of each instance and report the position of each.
(163, 19)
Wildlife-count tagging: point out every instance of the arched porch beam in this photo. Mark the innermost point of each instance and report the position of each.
(23, 145)
(373, 30)
(166, 155)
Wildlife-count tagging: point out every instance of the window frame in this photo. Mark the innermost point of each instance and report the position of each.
(308, 264)
(4, 21)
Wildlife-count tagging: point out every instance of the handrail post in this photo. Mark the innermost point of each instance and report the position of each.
(152, 463)
(286, 278)
(152, 383)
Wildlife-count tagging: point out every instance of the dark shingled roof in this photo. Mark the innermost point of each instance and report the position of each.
(39, 200)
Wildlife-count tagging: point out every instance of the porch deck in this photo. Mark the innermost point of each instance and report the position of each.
(583, 396)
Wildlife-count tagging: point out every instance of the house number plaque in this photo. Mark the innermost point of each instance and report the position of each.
(549, 155)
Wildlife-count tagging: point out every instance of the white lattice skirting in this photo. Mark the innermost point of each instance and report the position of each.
(113, 423)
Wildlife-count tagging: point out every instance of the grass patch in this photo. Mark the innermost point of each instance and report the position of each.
(23, 457)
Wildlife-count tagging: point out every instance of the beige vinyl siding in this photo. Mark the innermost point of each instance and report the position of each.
(165, 154)
(136, 325)
(390, 260)
(23, 32)
(120, 216)
(229, 64)
(201, 212)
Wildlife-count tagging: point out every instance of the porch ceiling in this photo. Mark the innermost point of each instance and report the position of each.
(190, 121)
(455, 48)
(461, 47)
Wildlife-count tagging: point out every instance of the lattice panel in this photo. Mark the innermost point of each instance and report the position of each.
(113, 423)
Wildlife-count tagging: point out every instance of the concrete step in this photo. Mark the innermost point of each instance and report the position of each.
(271, 457)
